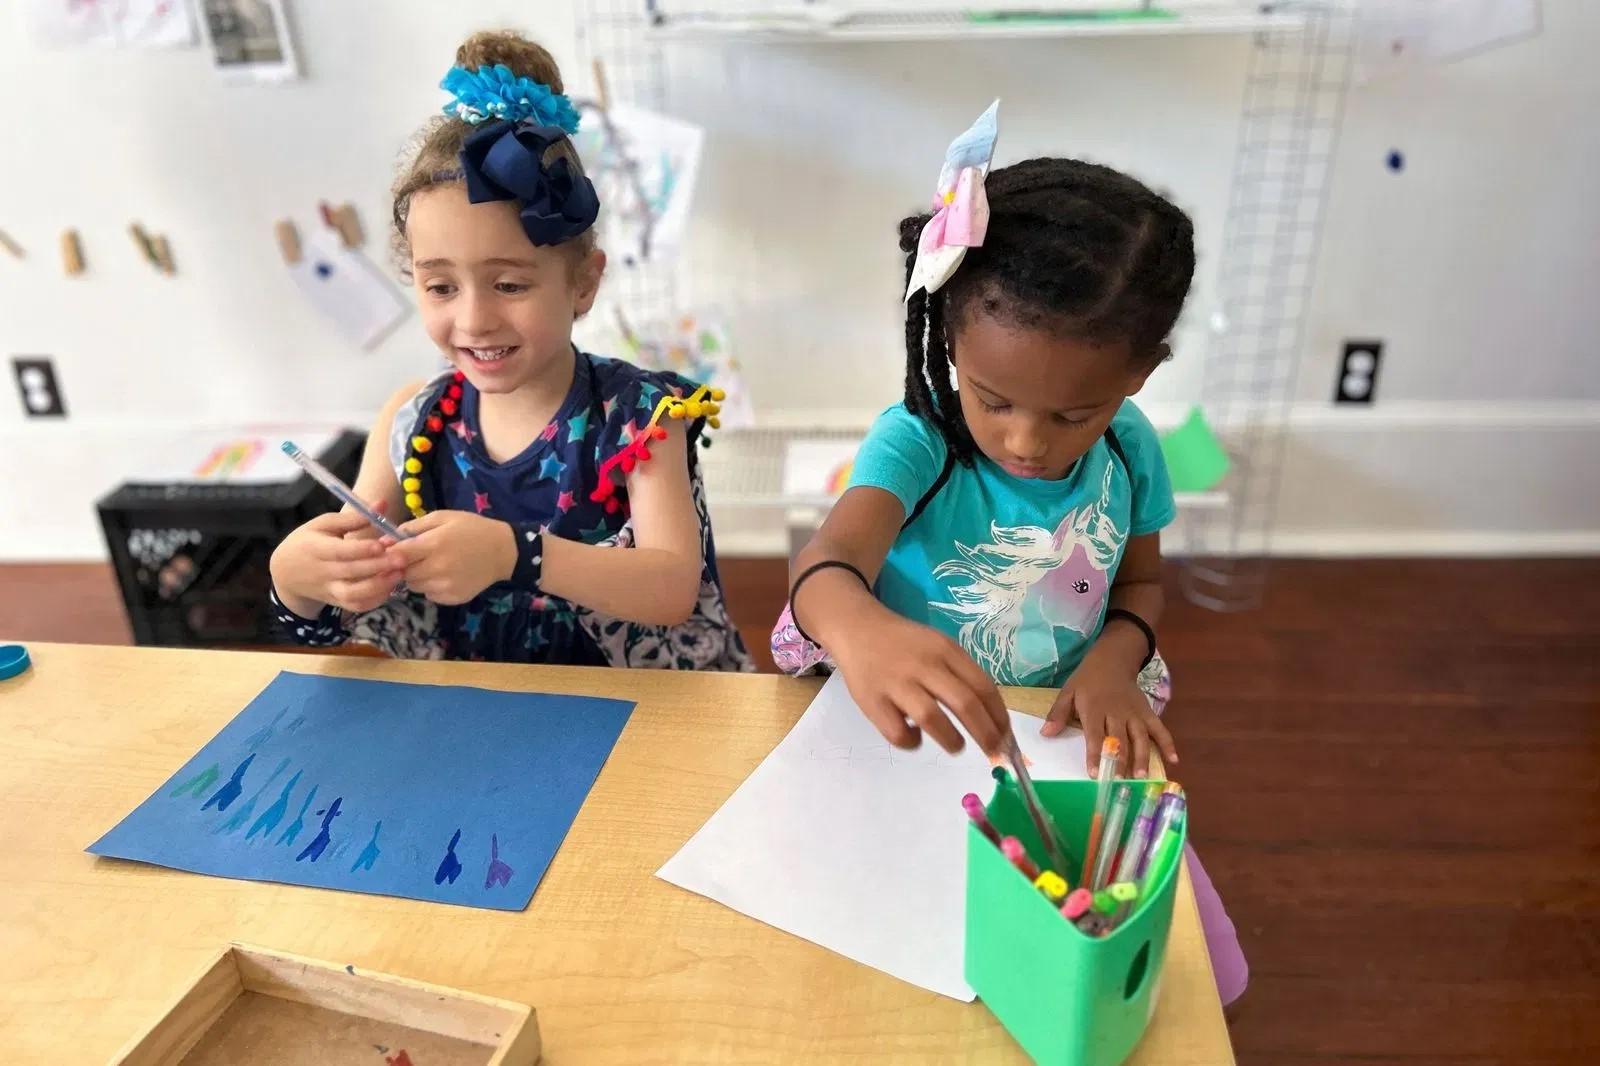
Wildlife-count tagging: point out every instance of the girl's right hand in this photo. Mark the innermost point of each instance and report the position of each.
(899, 672)
(335, 559)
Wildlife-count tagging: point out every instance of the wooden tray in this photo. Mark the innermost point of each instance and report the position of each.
(253, 1005)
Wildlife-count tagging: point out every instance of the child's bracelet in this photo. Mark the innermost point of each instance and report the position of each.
(826, 564)
(529, 567)
(1144, 627)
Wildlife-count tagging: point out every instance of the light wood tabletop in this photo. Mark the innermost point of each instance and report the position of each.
(621, 967)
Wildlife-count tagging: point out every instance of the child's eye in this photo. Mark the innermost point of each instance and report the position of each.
(993, 407)
(1074, 422)
(439, 289)
(511, 288)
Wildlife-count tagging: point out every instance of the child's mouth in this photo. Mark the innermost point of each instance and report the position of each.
(487, 356)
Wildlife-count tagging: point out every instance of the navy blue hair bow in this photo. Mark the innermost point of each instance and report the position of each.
(504, 161)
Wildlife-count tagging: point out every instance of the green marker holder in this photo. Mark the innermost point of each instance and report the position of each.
(1069, 999)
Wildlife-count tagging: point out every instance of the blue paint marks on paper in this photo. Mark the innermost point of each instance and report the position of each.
(237, 819)
(299, 822)
(370, 853)
(319, 843)
(394, 790)
(1396, 161)
(449, 866)
(499, 873)
(274, 814)
(230, 792)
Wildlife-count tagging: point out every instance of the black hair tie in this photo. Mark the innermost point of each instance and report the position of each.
(826, 564)
(1128, 616)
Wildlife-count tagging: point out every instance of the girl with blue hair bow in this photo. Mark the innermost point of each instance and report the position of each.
(555, 513)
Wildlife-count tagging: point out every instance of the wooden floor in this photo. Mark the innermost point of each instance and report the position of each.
(1393, 775)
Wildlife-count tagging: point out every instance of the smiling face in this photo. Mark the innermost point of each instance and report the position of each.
(1036, 399)
(500, 308)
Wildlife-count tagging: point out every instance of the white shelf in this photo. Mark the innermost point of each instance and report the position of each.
(922, 26)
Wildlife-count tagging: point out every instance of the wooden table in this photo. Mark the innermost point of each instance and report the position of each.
(622, 967)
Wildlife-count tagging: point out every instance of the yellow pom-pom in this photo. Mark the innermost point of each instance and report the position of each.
(718, 395)
(413, 465)
(713, 408)
(675, 411)
(412, 484)
(693, 408)
(714, 422)
(422, 444)
(413, 501)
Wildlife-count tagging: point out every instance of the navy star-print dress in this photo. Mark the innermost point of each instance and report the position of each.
(549, 485)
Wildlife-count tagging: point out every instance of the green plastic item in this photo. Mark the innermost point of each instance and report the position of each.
(1068, 999)
(1195, 459)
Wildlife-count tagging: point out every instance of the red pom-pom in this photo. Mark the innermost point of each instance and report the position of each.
(611, 506)
(658, 433)
(447, 406)
(435, 423)
(644, 453)
(627, 464)
(458, 377)
(454, 392)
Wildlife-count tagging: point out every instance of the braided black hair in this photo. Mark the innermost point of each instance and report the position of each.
(1073, 247)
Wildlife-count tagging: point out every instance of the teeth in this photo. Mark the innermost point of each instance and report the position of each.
(489, 355)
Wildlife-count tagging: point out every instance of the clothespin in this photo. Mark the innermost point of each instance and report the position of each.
(71, 253)
(602, 93)
(288, 241)
(348, 225)
(163, 253)
(11, 246)
(141, 241)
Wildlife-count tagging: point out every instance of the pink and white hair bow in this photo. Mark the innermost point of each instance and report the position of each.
(961, 208)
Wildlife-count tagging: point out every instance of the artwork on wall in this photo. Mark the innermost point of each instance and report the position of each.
(249, 40)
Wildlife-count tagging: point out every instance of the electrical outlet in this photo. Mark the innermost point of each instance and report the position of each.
(36, 382)
(1358, 372)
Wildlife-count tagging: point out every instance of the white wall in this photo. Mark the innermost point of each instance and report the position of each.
(1477, 264)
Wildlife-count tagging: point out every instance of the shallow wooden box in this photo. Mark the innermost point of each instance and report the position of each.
(252, 1005)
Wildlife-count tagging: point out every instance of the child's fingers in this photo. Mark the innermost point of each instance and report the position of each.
(1138, 750)
(361, 596)
(1060, 714)
(1162, 737)
(361, 569)
(431, 520)
(950, 695)
(968, 707)
(337, 550)
(1094, 736)
(338, 523)
(972, 678)
(887, 716)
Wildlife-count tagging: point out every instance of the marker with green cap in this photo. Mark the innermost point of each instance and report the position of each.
(1165, 854)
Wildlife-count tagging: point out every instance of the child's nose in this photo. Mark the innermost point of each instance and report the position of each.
(476, 315)
(1026, 442)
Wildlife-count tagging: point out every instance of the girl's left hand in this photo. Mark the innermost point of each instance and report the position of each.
(1109, 705)
(454, 555)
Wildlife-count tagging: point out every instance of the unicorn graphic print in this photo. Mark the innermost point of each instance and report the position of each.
(1017, 590)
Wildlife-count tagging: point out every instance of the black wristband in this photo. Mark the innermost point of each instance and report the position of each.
(826, 564)
(529, 567)
(1144, 627)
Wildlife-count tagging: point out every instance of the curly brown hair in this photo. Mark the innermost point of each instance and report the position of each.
(431, 156)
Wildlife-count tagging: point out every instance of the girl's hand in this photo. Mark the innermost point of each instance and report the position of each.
(454, 555)
(1110, 705)
(333, 559)
(898, 670)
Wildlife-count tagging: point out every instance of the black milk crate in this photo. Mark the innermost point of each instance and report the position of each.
(191, 559)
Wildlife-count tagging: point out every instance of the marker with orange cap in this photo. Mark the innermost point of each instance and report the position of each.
(1019, 857)
(1102, 799)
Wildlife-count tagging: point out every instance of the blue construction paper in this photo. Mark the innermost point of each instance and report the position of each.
(459, 795)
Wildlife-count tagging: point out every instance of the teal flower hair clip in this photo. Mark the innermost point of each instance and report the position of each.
(496, 93)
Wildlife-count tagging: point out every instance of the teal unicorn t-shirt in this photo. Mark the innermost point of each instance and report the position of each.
(1018, 571)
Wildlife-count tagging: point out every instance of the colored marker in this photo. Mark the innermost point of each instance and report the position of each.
(325, 478)
(1019, 857)
(1102, 798)
(1103, 903)
(1172, 806)
(1049, 836)
(1113, 834)
(1078, 903)
(1052, 884)
(1126, 893)
(1139, 836)
(980, 818)
(1166, 855)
